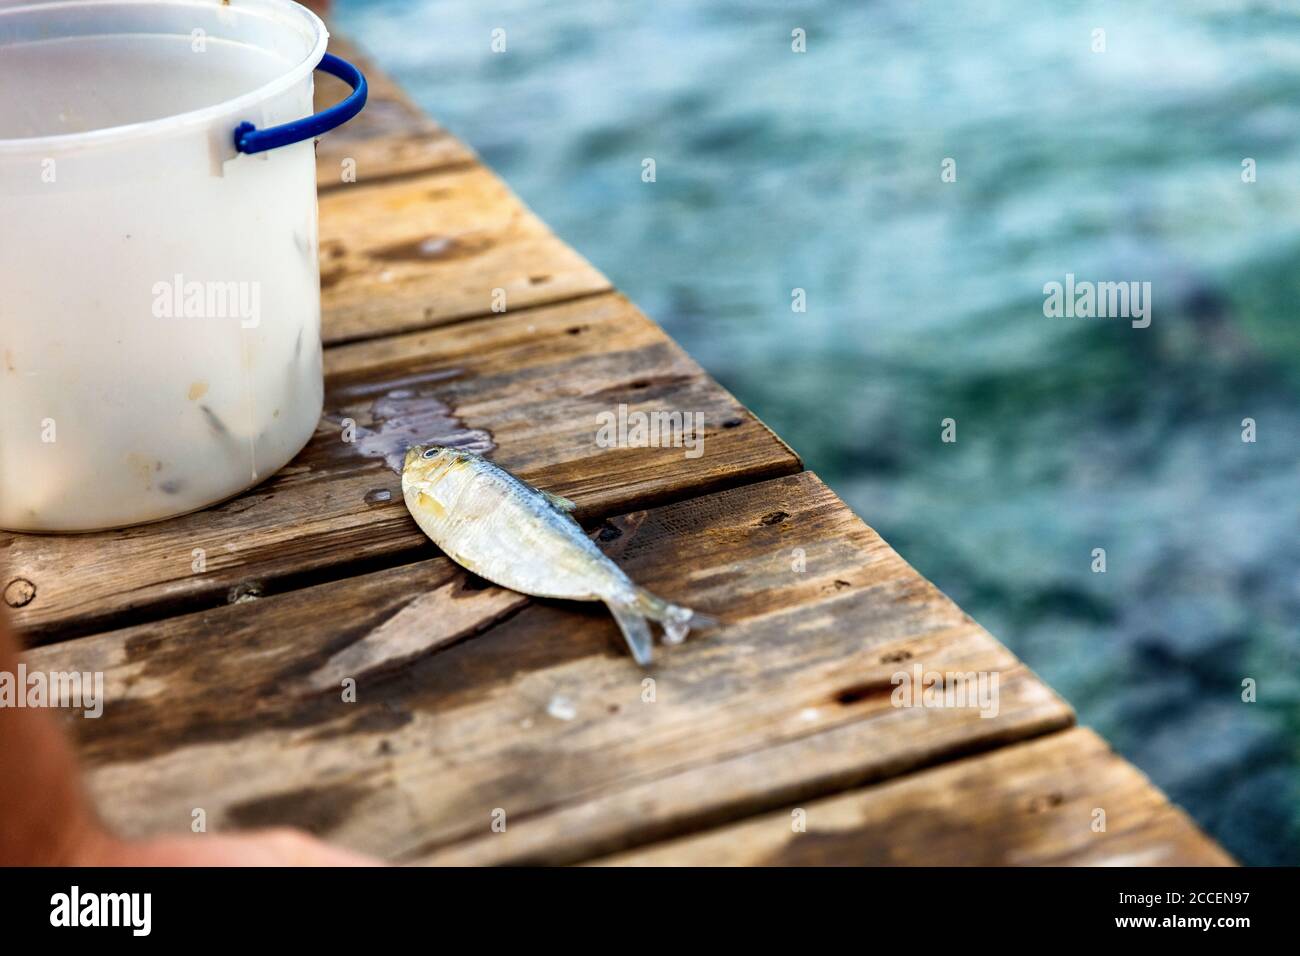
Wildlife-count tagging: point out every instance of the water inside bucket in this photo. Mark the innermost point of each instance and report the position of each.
(78, 84)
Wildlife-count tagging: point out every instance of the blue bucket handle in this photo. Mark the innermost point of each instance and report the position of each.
(250, 139)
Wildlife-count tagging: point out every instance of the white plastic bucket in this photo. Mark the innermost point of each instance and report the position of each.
(159, 284)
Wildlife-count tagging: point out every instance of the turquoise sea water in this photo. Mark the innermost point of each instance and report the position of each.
(821, 171)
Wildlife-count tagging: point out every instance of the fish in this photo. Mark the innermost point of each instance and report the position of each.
(526, 539)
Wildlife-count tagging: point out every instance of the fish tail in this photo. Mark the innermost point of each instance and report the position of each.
(677, 621)
(635, 630)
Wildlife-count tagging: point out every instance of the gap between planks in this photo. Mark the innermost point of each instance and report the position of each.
(1065, 798)
(555, 849)
(399, 176)
(434, 248)
(469, 317)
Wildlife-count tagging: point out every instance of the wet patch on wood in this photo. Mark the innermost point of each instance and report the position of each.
(403, 413)
(434, 248)
(317, 809)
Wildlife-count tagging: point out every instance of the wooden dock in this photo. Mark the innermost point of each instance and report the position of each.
(492, 728)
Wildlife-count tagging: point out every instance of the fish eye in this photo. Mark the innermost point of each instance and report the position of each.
(429, 453)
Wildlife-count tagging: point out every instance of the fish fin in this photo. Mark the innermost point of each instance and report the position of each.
(677, 621)
(558, 502)
(635, 629)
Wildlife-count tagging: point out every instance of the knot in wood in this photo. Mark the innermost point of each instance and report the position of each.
(19, 592)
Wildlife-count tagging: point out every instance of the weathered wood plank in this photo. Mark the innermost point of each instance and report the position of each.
(543, 715)
(431, 249)
(1034, 803)
(712, 794)
(390, 137)
(532, 383)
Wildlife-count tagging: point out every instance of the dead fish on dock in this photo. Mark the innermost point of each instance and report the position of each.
(505, 530)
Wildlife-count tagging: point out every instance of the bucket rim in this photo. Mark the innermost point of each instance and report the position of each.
(176, 122)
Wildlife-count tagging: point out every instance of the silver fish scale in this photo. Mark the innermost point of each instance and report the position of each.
(505, 531)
